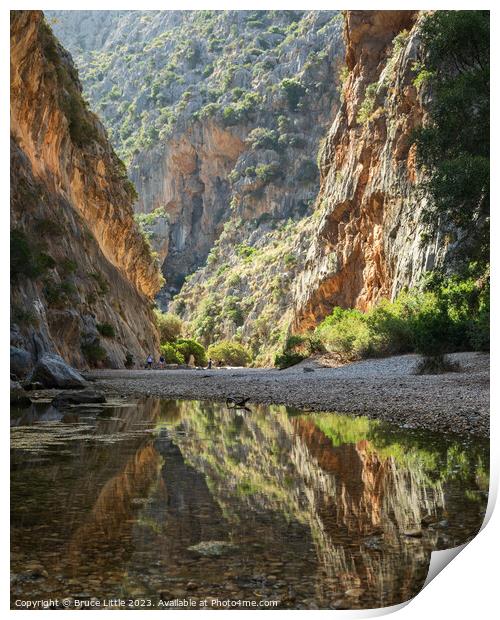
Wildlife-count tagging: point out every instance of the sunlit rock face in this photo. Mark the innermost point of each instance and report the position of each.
(81, 261)
(185, 71)
(189, 179)
(369, 242)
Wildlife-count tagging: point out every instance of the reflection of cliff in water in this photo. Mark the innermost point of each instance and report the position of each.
(321, 507)
(366, 503)
(362, 510)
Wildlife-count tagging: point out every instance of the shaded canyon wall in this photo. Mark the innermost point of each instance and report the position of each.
(79, 260)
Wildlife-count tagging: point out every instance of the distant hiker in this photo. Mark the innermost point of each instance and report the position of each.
(149, 362)
(209, 363)
(162, 361)
(220, 363)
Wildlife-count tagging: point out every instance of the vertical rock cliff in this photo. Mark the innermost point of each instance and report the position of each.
(82, 274)
(220, 121)
(371, 240)
(213, 112)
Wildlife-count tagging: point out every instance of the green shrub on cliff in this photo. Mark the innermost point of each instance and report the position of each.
(26, 258)
(294, 91)
(263, 138)
(106, 330)
(267, 172)
(368, 104)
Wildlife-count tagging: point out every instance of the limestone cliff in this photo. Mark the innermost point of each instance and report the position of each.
(82, 274)
(222, 140)
(213, 111)
(371, 239)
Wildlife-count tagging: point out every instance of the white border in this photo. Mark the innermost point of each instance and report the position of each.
(467, 587)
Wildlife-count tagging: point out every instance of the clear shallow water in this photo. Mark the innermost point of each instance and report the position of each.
(163, 500)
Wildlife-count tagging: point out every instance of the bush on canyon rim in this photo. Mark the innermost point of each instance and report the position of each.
(229, 352)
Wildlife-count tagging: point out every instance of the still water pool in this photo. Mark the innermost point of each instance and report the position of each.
(163, 502)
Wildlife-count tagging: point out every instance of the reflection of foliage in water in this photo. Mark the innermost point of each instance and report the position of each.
(247, 456)
(440, 461)
(330, 496)
(241, 460)
(342, 477)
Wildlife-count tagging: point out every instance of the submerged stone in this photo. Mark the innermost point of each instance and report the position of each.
(78, 397)
(213, 548)
(18, 396)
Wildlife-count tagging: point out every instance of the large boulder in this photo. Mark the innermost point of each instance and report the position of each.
(53, 372)
(20, 362)
(18, 397)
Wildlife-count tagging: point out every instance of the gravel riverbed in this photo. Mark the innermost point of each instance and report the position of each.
(386, 389)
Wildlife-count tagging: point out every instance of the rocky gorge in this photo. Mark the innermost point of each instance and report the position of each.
(274, 162)
(82, 275)
(249, 335)
(259, 238)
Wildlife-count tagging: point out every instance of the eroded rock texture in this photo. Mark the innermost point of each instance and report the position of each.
(371, 240)
(181, 92)
(82, 274)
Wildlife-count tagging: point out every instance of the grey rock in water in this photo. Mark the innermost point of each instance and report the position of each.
(413, 533)
(78, 397)
(18, 396)
(213, 548)
(20, 362)
(36, 385)
(53, 372)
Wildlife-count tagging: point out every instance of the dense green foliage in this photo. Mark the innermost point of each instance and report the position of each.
(171, 354)
(188, 347)
(195, 65)
(297, 347)
(454, 144)
(368, 103)
(444, 315)
(169, 326)
(26, 257)
(106, 330)
(177, 350)
(230, 353)
(294, 91)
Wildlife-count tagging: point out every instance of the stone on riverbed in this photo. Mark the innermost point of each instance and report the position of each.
(78, 397)
(213, 548)
(20, 362)
(53, 372)
(18, 396)
(416, 533)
